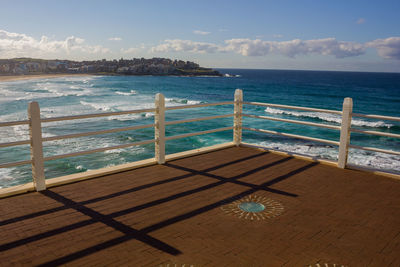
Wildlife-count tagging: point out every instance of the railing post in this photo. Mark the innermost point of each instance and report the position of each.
(345, 132)
(159, 134)
(35, 133)
(237, 119)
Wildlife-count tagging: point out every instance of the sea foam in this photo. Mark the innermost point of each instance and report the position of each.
(329, 118)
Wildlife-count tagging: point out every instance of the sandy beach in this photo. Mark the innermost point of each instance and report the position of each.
(9, 78)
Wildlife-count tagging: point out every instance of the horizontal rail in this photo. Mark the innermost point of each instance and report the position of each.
(379, 117)
(12, 123)
(199, 119)
(86, 116)
(200, 105)
(375, 149)
(293, 107)
(17, 143)
(17, 163)
(375, 133)
(60, 137)
(293, 121)
(98, 150)
(198, 133)
(292, 135)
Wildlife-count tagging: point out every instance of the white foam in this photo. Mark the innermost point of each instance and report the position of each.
(357, 157)
(79, 167)
(131, 92)
(313, 150)
(98, 106)
(227, 75)
(6, 176)
(328, 117)
(181, 101)
(374, 160)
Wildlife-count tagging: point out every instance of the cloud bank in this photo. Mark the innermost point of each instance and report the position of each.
(21, 45)
(178, 45)
(387, 48)
(293, 48)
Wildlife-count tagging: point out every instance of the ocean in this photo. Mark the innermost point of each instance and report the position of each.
(372, 93)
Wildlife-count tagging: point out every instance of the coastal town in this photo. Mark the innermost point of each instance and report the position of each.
(135, 66)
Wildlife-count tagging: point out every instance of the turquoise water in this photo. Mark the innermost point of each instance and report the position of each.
(372, 93)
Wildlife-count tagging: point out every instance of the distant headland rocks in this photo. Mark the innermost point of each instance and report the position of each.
(135, 66)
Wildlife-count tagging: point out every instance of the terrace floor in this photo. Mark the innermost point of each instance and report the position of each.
(182, 213)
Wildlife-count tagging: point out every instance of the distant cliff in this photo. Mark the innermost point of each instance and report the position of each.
(135, 66)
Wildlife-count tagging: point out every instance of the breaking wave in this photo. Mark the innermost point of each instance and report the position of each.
(329, 118)
(131, 92)
(357, 157)
(182, 101)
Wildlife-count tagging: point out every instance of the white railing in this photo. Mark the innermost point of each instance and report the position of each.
(36, 140)
(345, 128)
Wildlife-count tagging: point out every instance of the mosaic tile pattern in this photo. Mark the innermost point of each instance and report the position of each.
(272, 208)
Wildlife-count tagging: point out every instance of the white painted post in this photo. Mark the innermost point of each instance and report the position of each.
(159, 134)
(345, 132)
(237, 119)
(35, 132)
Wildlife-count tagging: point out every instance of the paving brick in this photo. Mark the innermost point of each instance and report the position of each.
(172, 214)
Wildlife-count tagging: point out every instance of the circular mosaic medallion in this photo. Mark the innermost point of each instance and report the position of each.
(251, 206)
(254, 207)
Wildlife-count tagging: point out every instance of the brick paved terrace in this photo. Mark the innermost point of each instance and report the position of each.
(187, 212)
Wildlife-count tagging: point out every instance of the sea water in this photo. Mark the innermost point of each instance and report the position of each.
(372, 93)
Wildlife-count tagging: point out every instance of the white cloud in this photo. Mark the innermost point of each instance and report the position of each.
(361, 21)
(22, 45)
(178, 45)
(201, 32)
(277, 36)
(248, 47)
(257, 47)
(328, 46)
(387, 48)
(115, 39)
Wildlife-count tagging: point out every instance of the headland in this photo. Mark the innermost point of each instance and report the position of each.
(135, 66)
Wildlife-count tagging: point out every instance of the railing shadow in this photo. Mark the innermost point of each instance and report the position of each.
(143, 234)
(127, 191)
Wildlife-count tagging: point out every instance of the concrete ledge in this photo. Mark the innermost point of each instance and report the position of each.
(98, 173)
(67, 179)
(374, 171)
(16, 190)
(198, 151)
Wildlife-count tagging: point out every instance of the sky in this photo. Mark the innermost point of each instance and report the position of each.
(342, 35)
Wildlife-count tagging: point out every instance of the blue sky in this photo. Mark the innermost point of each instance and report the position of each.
(320, 35)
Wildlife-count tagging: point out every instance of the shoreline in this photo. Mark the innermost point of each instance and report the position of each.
(11, 78)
